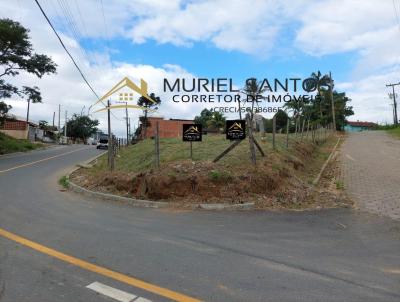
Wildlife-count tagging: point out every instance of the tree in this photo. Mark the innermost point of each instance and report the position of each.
(216, 121)
(281, 119)
(81, 127)
(16, 54)
(43, 124)
(148, 105)
(203, 118)
(4, 108)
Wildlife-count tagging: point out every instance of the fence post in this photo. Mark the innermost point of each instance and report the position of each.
(157, 146)
(287, 132)
(273, 131)
(251, 140)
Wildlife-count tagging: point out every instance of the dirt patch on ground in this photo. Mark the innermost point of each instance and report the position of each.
(276, 181)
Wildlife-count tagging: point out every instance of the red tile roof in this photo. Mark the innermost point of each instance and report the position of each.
(362, 124)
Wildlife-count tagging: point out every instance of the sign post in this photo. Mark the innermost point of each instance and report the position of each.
(191, 133)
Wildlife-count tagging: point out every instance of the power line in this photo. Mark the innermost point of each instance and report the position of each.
(69, 54)
(396, 13)
(66, 50)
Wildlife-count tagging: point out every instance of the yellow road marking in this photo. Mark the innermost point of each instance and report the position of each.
(164, 292)
(40, 160)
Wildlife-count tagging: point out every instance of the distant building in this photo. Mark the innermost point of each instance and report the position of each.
(166, 128)
(359, 126)
(19, 128)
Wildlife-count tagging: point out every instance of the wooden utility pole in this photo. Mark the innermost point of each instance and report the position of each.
(396, 120)
(332, 102)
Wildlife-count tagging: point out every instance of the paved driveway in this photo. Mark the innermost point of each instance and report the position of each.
(371, 171)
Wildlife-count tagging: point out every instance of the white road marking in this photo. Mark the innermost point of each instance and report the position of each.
(112, 292)
(349, 157)
(140, 299)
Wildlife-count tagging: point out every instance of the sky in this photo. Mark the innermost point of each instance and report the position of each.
(357, 40)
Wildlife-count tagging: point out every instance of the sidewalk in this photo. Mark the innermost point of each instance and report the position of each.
(371, 172)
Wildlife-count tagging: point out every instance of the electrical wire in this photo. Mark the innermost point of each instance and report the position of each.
(71, 57)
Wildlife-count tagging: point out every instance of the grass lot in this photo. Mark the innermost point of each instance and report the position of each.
(281, 179)
(395, 131)
(9, 144)
(140, 157)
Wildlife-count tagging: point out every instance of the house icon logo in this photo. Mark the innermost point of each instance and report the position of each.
(126, 97)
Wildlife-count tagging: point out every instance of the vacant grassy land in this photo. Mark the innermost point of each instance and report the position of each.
(280, 179)
(395, 131)
(141, 158)
(9, 144)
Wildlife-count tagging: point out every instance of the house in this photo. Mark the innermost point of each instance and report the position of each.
(19, 128)
(359, 126)
(166, 128)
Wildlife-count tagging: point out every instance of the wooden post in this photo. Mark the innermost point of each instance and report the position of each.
(302, 128)
(227, 150)
(258, 147)
(157, 146)
(273, 131)
(251, 141)
(308, 127)
(287, 132)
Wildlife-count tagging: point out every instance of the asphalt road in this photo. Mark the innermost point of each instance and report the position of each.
(330, 255)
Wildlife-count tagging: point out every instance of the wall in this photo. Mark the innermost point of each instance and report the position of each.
(167, 128)
(18, 134)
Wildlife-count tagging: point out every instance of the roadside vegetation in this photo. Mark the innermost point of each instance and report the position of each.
(391, 129)
(63, 181)
(395, 131)
(9, 144)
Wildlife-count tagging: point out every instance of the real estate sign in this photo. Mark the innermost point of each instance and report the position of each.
(192, 132)
(235, 129)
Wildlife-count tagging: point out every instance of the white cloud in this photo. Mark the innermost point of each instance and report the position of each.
(67, 87)
(366, 28)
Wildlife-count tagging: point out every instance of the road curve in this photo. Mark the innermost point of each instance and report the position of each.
(332, 255)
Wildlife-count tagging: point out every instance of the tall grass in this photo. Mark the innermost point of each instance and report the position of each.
(9, 144)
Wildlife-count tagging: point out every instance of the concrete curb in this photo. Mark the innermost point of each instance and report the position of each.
(148, 203)
(316, 180)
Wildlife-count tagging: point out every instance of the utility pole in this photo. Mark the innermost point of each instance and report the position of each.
(110, 140)
(396, 120)
(59, 114)
(27, 112)
(65, 125)
(127, 123)
(54, 116)
(332, 102)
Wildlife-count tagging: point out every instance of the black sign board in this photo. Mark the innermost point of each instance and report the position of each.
(191, 133)
(235, 129)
